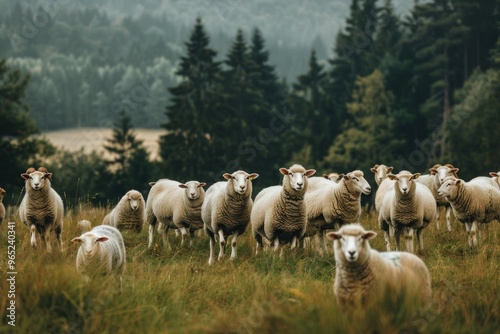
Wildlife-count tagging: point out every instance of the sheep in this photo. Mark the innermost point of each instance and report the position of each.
(472, 202)
(279, 212)
(362, 274)
(384, 183)
(101, 252)
(41, 209)
(333, 176)
(331, 205)
(84, 226)
(407, 206)
(129, 213)
(2, 207)
(493, 180)
(226, 210)
(433, 181)
(175, 206)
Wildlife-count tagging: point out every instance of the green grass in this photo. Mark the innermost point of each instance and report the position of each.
(176, 292)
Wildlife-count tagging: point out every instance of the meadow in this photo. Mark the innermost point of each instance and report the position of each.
(175, 291)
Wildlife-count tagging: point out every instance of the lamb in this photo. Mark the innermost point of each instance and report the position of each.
(175, 206)
(41, 209)
(364, 275)
(279, 212)
(330, 205)
(472, 202)
(2, 207)
(333, 176)
(226, 210)
(84, 226)
(129, 213)
(384, 183)
(407, 206)
(433, 181)
(101, 252)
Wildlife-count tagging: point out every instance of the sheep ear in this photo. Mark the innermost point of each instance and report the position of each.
(325, 176)
(374, 169)
(415, 176)
(2, 191)
(310, 172)
(493, 174)
(457, 181)
(76, 240)
(345, 177)
(183, 186)
(253, 176)
(333, 235)
(25, 176)
(284, 171)
(389, 169)
(202, 184)
(227, 176)
(433, 171)
(341, 175)
(392, 177)
(370, 235)
(152, 183)
(48, 176)
(101, 239)
(454, 171)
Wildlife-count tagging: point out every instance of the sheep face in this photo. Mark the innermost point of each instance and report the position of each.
(193, 189)
(240, 180)
(449, 188)
(2, 192)
(381, 172)
(349, 242)
(442, 172)
(89, 243)
(37, 179)
(404, 181)
(356, 183)
(134, 199)
(296, 176)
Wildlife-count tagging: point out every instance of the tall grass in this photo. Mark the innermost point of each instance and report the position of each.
(176, 292)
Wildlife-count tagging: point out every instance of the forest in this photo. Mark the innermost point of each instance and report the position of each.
(404, 90)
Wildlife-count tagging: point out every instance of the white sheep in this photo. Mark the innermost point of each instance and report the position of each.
(101, 252)
(472, 202)
(433, 181)
(383, 182)
(226, 210)
(333, 176)
(129, 213)
(330, 205)
(407, 207)
(2, 207)
(41, 209)
(175, 205)
(362, 275)
(494, 179)
(83, 226)
(279, 212)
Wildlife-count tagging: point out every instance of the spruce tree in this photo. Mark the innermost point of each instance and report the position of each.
(186, 149)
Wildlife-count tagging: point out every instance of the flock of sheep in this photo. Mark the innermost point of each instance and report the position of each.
(297, 212)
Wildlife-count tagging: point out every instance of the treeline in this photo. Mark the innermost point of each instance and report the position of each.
(407, 92)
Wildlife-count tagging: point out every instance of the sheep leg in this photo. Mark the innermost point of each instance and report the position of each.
(409, 240)
(191, 238)
(233, 246)
(222, 244)
(473, 232)
(294, 242)
(420, 239)
(397, 234)
(448, 218)
(469, 237)
(392, 231)
(164, 236)
(276, 244)
(150, 238)
(322, 243)
(33, 236)
(183, 234)
(438, 214)
(46, 241)
(387, 241)
(59, 240)
(212, 246)
(258, 242)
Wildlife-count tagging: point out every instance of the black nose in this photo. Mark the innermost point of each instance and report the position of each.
(300, 183)
(352, 253)
(404, 189)
(242, 187)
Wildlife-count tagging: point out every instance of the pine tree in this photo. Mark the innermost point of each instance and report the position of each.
(187, 148)
(129, 159)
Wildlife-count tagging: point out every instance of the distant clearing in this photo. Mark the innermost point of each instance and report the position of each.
(93, 139)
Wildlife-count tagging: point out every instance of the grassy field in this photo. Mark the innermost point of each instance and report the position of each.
(176, 292)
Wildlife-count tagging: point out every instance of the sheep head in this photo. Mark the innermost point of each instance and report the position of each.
(135, 198)
(405, 181)
(297, 176)
(350, 242)
(443, 172)
(194, 189)
(90, 243)
(381, 172)
(335, 177)
(38, 178)
(356, 183)
(241, 182)
(450, 187)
